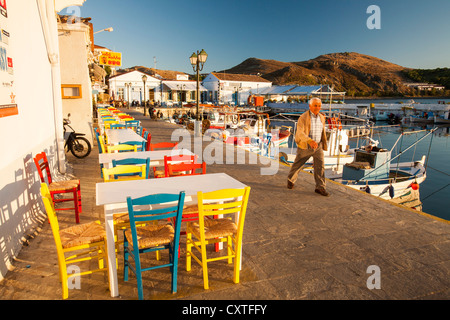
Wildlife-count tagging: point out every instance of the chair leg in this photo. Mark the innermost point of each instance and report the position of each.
(188, 251)
(229, 251)
(75, 199)
(204, 267)
(125, 259)
(137, 264)
(237, 260)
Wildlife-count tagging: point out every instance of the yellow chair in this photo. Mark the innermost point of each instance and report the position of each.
(89, 240)
(208, 231)
(121, 147)
(125, 172)
(101, 140)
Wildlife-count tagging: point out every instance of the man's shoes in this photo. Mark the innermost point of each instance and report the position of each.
(290, 185)
(322, 192)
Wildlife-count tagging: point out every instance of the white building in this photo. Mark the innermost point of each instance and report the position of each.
(179, 92)
(233, 89)
(31, 115)
(76, 54)
(129, 86)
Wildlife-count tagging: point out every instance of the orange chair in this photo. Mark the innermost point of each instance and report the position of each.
(162, 145)
(178, 159)
(176, 169)
(60, 187)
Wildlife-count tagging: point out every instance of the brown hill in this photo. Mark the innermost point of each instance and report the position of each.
(165, 74)
(355, 73)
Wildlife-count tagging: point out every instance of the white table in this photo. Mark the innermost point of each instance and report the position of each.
(156, 157)
(116, 136)
(113, 195)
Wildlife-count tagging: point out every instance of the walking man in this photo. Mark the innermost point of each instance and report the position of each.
(311, 142)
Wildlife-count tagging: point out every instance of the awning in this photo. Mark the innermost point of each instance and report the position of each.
(183, 86)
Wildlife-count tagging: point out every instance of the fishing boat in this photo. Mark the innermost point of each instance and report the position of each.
(374, 171)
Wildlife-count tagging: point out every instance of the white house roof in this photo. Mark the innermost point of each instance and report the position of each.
(184, 85)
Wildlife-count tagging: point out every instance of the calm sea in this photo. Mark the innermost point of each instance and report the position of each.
(435, 190)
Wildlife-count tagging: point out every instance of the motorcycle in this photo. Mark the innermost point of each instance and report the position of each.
(75, 142)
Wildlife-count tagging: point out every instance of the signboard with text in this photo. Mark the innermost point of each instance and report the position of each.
(8, 106)
(112, 59)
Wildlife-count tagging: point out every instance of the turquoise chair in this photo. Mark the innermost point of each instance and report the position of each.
(140, 144)
(132, 124)
(146, 161)
(116, 126)
(153, 237)
(148, 138)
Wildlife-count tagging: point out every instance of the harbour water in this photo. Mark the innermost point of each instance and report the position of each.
(435, 190)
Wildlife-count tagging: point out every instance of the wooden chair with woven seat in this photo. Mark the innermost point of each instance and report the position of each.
(140, 145)
(60, 187)
(153, 237)
(208, 231)
(121, 172)
(177, 159)
(182, 169)
(85, 241)
(121, 148)
(160, 172)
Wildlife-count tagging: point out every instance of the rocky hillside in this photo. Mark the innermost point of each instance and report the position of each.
(357, 74)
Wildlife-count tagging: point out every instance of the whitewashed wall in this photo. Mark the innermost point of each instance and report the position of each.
(26, 134)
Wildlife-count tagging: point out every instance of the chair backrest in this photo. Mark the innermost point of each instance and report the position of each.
(140, 145)
(164, 206)
(178, 159)
(139, 130)
(132, 124)
(117, 126)
(121, 148)
(163, 145)
(51, 213)
(133, 161)
(173, 169)
(42, 164)
(125, 172)
(223, 202)
(97, 136)
(101, 144)
(148, 139)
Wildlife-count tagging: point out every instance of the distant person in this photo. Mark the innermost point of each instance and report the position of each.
(311, 141)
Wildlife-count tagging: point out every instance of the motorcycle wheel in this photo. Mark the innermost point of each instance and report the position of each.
(80, 147)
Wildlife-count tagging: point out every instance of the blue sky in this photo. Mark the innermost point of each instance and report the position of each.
(414, 33)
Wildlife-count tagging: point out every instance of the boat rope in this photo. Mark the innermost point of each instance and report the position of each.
(439, 171)
(448, 184)
(429, 149)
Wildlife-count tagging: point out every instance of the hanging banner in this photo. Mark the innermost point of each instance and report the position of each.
(112, 59)
(8, 106)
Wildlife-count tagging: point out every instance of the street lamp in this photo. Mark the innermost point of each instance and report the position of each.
(110, 29)
(144, 79)
(197, 61)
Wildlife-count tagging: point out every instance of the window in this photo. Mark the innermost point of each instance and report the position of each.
(71, 91)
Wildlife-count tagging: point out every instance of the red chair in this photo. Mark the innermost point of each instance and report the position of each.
(178, 159)
(60, 187)
(162, 145)
(185, 169)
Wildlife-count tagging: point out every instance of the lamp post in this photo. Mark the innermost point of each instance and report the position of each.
(144, 79)
(110, 29)
(197, 61)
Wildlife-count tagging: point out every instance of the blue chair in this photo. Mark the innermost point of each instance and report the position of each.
(116, 126)
(139, 130)
(153, 237)
(129, 161)
(132, 124)
(140, 144)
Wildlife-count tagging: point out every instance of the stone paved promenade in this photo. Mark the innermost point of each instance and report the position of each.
(298, 245)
